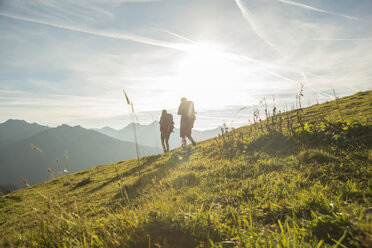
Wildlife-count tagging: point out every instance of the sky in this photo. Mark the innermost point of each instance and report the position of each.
(69, 61)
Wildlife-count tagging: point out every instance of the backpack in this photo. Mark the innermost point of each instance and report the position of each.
(170, 123)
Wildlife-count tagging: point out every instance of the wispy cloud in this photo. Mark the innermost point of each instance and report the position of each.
(308, 7)
(252, 20)
(67, 10)
(122, 36)
(267, 67)
(179, 36)
(249, 16)
(341, 39)
(269, 31)
(50, 72)
(127, 1)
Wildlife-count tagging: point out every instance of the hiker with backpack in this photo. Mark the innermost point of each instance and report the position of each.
(187, 112)
(166, 128)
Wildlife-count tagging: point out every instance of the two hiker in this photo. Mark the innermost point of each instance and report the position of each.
(187, 112)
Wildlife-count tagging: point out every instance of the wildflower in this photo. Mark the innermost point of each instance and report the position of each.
(342, 164)
(25, 182)
(119, 182)
(37, 149)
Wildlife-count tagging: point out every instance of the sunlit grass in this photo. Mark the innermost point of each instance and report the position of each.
(262, 185)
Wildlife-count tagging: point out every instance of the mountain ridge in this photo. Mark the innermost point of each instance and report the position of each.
(150, 134)
(86, 148)
(14, 130)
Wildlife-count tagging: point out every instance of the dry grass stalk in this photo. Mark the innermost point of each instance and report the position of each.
(134, 127)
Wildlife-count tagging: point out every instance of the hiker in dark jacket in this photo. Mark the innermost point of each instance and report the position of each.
(166, 128)
(187, 112)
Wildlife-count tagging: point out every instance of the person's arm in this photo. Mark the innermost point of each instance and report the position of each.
(191, 110)
(180, 110)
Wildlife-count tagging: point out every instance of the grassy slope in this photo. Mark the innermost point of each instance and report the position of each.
(243, 189)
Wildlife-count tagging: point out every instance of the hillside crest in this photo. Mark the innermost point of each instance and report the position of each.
(301, 183)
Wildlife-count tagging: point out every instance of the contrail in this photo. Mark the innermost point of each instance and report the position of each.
(244, 58)
(315, 9)
(250, 18)
(179, 36)
(122, 36)
(143, 40)
(342, 39)
(262, 65)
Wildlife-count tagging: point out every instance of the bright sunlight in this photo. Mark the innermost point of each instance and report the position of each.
(205, 66)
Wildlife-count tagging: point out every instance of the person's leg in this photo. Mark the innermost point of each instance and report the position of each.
(183, 134)
(167, 141)
(162, 141)
(188, 134)
(192, 140)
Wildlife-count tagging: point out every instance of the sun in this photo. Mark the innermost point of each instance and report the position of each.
(205, 67)
(205, 63)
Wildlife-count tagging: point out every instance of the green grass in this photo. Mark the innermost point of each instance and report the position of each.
(256, 186)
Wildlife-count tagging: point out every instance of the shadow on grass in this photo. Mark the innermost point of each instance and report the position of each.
(148, 160)
(274, 143)
(160, 234)
(83, 182)
(158, 172)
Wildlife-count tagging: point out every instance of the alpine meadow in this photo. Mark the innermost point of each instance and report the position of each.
(301, 178)
(186, 123)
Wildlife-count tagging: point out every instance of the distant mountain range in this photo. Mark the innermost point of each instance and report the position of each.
(7, 188)
(86, 149)
(149, 135)
(13, 131)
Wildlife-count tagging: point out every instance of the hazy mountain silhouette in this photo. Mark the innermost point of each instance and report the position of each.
(149, 135)
(86, 148)
(7, 188)
(13, 131)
